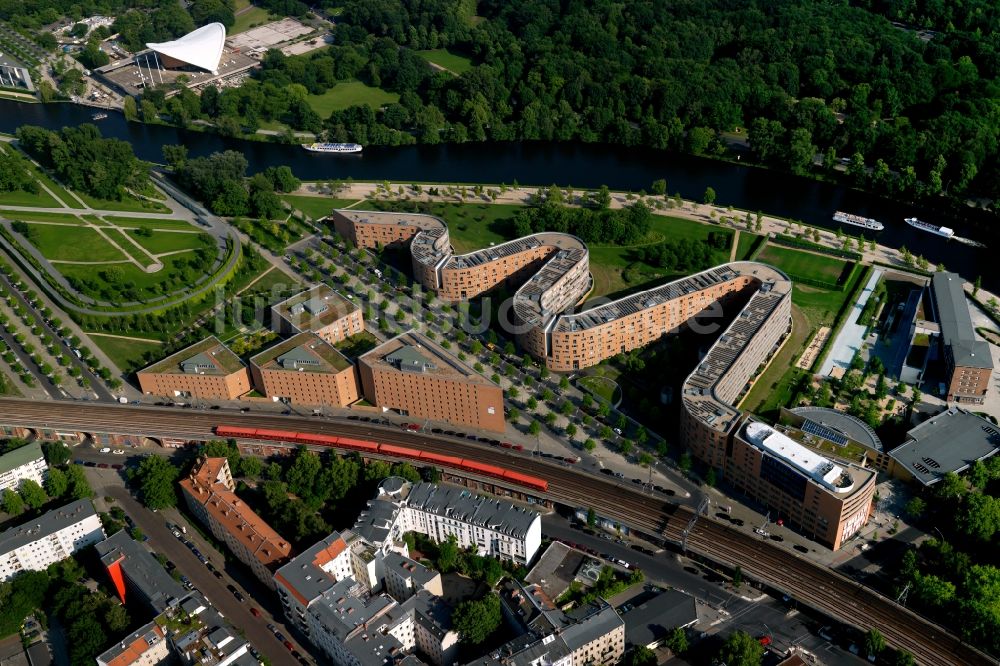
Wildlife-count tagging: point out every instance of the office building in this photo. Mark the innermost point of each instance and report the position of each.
(207, 370)
(137, 576)
(305, 370)
(21, 464)
(952, 441)
(320, 310)
(147, 646)
(210, 495)
(968, 362)
(417, 378)
(49, 538)
(14, 74)
(827, 501)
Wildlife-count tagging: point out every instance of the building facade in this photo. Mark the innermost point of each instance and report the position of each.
(25, 463)
(207, 370)
(416, 377)
(210, 495)
(968, 362)
(53, 536)
(320, 310)
(305, 370)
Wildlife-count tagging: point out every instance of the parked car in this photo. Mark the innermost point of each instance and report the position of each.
(255, 612)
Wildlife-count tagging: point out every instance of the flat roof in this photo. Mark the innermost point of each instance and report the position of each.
(781, 446)
(654, 616)
(303, 352)
(142, 569)
(304, 576)
(315, 308)
(21, 456)
(957, 331)
(948, 442)
(208, 357)
(854, 428)
(410, 348)
(462, 505)
(699, 389)
(46, 524)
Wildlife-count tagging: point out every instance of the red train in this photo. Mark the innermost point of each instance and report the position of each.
(363, 446)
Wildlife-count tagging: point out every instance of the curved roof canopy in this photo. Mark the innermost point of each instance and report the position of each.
(201, 48)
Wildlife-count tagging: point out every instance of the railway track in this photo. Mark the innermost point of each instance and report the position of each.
(811, 584)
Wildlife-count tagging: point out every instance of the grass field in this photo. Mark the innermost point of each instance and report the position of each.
(276, 283)
(248, 19)
(806, 265)
(130, 273)
(126, 353)
(152, 223)
(746, 245)
(443, 58)
(72, 244)
(166, 241)
(42, 216)
(21, 198)
(602, 388)
(347, 94)
(133, 205)
(316, 207)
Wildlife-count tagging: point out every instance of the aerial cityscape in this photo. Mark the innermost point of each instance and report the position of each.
(471, 333)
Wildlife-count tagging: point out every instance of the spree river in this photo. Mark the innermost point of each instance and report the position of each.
(582, 166)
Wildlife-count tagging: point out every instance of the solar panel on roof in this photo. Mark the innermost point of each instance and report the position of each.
(821, 430)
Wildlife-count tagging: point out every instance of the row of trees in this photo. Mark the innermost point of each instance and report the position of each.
(85, 161)
(684, 255)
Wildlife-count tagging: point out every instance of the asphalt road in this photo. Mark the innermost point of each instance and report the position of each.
(161, 540)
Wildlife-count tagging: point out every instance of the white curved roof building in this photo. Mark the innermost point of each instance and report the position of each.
(201, 48)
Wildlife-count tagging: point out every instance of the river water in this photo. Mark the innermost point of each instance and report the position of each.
(581, 166)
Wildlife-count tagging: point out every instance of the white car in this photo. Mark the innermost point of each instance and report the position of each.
(106, 449)
(119, 452)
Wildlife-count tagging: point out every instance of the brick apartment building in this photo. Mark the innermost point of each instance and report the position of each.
(320, 310)
(968, 362)
(207, 370)
(305, 370)
(418, 378)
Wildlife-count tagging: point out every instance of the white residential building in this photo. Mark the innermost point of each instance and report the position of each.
(493, 528)
(51, 537)
(26, 462)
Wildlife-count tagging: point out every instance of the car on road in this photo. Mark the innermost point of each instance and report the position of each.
(620, 475)
(218, 574)
(104, 465)
(78, 462)
(272, 628)
(291, 648)
(106, 449)
(618, 431)
(239, 596)
(119, 452)
(255, 612)
(605, 470)
(90, 463)
(280, 636)
(764, 640)
(764, 533)
(799, 547)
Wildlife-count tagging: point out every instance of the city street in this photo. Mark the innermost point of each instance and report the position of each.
(108, 482)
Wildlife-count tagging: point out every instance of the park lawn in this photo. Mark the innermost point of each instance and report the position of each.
(746, 245)
(822, 305)
(248, 19)
(454, 63)
(602, 388)
(21, 198)
(807, 265)
(167, 241)
(773, 388)
(277, 283)
(43, 216)
(316, 207)
(151, 223)
(63, 243)
(347, 94)
(128, 204)
(126, 353)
